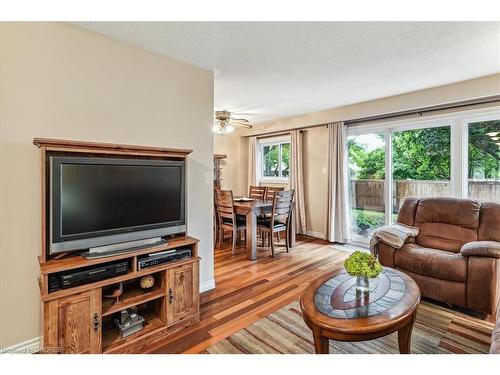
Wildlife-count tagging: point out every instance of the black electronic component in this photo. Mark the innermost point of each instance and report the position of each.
(72, 278)
(163, 257)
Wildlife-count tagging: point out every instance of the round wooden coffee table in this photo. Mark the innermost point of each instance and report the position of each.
(334, 310)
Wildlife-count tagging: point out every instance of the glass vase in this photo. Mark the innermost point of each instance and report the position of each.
(362, 284)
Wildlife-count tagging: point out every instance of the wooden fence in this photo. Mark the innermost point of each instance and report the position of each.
(369, 194)
(485, 190)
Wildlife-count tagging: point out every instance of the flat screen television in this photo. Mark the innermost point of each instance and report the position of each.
(104, 201)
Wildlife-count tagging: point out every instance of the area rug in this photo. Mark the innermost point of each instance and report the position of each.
(437, 330)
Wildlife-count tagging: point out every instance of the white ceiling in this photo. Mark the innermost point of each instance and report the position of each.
(270, 70)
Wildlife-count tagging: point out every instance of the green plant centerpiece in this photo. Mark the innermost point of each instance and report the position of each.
(364, 266)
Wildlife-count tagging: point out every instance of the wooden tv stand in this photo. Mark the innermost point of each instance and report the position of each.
(81, 319)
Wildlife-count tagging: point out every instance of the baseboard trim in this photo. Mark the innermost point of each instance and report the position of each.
(26, 347)
(314, 234)
(207, 285)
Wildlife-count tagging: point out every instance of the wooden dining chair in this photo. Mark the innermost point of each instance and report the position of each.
(280, 219)
(270, 198)
(227, 217)
(270, 192)
(257, 192)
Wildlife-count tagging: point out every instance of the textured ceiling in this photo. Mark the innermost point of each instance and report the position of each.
(277, 69)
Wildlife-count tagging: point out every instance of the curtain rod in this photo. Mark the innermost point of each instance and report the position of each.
(284, 131)
(420, 111)
(417, 111)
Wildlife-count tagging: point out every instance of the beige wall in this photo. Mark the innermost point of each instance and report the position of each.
(60, 81)
(234, 168)
(315, 139)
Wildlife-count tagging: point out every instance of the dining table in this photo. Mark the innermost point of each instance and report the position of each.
(252, 209)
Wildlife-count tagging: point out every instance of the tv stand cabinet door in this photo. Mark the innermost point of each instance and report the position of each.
(73, 323)
(182, 292)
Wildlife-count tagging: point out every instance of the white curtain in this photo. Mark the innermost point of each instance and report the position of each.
(252, 157)
(337, 218)
(297, 179)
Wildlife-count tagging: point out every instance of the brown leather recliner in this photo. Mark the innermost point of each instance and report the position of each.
(456, 256)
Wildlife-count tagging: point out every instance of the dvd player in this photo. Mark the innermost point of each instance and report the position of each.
(87, 275)
(162, 257)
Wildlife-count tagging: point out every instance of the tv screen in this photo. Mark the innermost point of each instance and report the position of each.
(107, 200)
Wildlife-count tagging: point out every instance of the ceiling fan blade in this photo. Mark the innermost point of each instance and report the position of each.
(242, 124)
(257, 114)
(240, 119)
(246, 126)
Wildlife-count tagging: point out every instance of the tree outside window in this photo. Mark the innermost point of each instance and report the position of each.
(483, 167)
(424, 154)
(484, 150)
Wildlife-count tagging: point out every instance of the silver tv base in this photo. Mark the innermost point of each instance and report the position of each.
(123, 247)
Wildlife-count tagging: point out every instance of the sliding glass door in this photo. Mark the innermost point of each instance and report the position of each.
(456, 155)
(366, 171)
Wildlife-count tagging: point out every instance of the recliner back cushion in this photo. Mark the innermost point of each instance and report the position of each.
(407, 210)
(447, 223)
(489, 223)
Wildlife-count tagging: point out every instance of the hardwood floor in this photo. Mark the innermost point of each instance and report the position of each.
(247, 290)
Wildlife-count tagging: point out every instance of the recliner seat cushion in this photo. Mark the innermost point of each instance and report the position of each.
(452, 292)
(431, 262)
(447, 223)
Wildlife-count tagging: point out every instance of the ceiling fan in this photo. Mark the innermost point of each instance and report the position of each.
(224, 123)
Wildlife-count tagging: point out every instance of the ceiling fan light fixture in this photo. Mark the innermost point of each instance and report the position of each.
(222, 127)
(224, 124)
(217, 129)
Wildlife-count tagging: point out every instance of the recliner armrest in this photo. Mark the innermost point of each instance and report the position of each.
(489, 249)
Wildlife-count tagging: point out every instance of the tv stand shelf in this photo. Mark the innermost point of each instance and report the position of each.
(112, 340)
(81, 319)
(131, 275)
(129, 301)
(78, 261)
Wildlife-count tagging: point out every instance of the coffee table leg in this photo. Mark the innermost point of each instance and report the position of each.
(321, 344)
(404, 336)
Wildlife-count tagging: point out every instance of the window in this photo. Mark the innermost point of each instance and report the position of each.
(455, 154)
(274, 159)
(483, 167)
